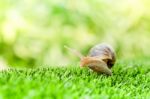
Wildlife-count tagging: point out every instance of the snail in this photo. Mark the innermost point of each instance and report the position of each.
(100, 59)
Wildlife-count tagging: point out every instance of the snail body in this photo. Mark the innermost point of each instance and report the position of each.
(100, 59)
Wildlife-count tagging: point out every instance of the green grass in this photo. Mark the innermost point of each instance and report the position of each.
(130, 80)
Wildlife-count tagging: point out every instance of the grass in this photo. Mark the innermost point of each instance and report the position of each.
(130, 80)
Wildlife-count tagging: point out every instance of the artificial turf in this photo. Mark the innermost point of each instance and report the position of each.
(130, 80)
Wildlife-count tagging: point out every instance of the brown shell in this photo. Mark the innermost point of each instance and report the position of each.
(104, 52)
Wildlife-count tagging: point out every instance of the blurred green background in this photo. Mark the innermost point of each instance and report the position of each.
(33, 32)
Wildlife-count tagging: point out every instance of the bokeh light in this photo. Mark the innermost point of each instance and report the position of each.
(33, 32)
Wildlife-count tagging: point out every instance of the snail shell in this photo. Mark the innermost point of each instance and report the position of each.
(104, 52)
(101, 58)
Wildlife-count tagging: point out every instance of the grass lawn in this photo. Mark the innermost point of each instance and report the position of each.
(130, 79)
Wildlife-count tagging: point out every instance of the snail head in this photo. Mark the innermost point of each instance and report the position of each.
(86, 61)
